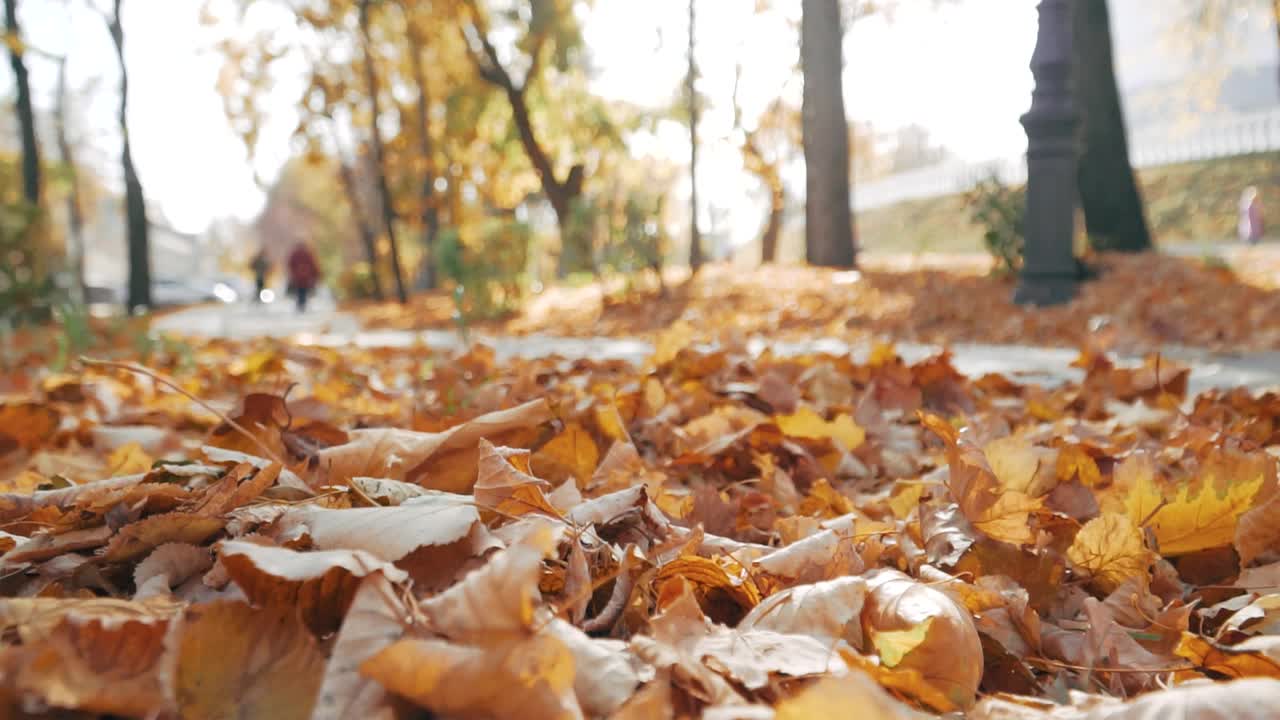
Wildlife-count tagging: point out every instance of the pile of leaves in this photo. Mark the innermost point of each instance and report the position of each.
(272, 531)
(1146, 302)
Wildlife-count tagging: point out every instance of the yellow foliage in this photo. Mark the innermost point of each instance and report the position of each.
(805, 423)
(1110, 548)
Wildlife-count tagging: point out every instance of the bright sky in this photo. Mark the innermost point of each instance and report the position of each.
(960, 70)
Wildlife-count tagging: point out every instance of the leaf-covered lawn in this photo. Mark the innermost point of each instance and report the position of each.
(267, 530)
(1139, 303)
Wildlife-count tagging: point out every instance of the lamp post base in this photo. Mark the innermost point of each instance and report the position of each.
(1045, 290)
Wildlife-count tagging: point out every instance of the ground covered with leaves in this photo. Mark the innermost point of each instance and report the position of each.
(1138, 303)
(275, 531)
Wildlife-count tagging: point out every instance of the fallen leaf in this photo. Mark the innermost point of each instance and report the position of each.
(805, 423)
(1000, 512)
(1196, 519)
(389, 533)
(318, 585)
(237, 661)
(948, 655)
(167, 567)
(139, 538)
(1110, 549)
(26, 425)
(393, 453)
(833, 698)
(376, 618)
(570, 454)
(830, 609)
(103, 663)
(1256, 657)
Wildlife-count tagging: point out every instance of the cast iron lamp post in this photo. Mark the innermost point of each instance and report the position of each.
(1050, 271)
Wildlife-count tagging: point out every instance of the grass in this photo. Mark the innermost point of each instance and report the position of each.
(1188, 202)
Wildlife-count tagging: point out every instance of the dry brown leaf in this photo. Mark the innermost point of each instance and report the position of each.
(501, 485)
(139, 538)
(499, 597)
(114, 663)
(388, 492)
(26, 425)
(685, 640)
(512, 676)
(571, 454)
(389, 533)
(34, 619)
(993, 508)
(1257, 537)
(489, 657)
(376, 618)
(1110, 549)
(1255, 657)
(237, 661)
(830, 609)
(1251, 699)
(318, 585)
(167, 567)
(607, 673)
(265, 418)
(392, 453)
(826, 554)
(14, 506)
(1260, 617)
(43, 547)
(710, 576)
(913, 626)
(834, 698)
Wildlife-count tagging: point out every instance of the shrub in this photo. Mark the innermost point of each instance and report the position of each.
(1000, 211)
(356, 282)
(491, 273)
(27, 289)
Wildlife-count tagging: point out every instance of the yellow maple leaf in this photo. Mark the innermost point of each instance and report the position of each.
(905, 498)
(1201, 515)
(572, 453)
(1247, 659)
(999, 511)
(805, 423)
(129, 459)
(1110, 548)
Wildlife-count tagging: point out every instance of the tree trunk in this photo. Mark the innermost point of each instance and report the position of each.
(695, 237)
(426, 198)
(362, 227)
(26, 117)
(773, 225)
(561, 194)
(134, 201)
(1109, 195)
(828, 233)
(380, 169)
(1275, 12)
(75, 218)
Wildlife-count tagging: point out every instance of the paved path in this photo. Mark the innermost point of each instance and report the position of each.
(324, 325)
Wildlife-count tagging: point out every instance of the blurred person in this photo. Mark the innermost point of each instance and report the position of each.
(304, 273)
(260, 266)
(1250, 227)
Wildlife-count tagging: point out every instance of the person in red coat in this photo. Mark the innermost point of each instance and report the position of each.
(304, 273)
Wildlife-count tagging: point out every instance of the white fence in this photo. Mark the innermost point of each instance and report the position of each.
(1225, 136)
